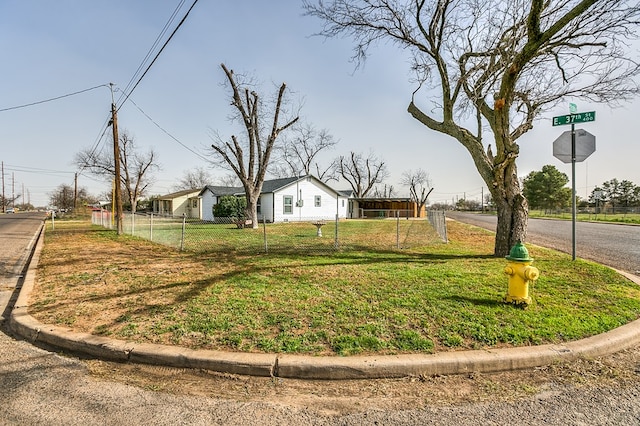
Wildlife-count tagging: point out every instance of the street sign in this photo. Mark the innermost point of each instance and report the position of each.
(585, 146)
(581, 117)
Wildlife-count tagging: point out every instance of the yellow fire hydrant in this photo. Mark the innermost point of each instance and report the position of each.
(521, 274)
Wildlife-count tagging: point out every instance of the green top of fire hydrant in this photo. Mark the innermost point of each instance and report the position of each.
(519, 253)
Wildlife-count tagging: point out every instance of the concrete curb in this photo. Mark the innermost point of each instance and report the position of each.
(310, 367)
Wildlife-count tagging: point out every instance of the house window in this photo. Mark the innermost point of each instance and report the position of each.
(259, 205)
(194, 203)
(287, 204)
(317, 200)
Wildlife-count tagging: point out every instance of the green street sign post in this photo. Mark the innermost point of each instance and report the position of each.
(581, 117)
(573, 118)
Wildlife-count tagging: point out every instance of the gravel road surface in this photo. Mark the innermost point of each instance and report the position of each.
(38, 387)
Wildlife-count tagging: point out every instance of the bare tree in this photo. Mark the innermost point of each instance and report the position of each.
(64, 197)
(199, 177)
(135, 168)
(362, 173)
(229, 180)
(419, 186)
(499, 64)
(9, 201)
(387, 191)
(251, 167)
(299, 151)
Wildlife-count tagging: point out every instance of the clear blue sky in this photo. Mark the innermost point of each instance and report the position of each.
(54, 48)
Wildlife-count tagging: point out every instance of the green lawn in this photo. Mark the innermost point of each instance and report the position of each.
(287, 237)
(427, 298)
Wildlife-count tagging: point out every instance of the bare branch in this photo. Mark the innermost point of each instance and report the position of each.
(251, 168)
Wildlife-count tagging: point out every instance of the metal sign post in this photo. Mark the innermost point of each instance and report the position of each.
(586, 147)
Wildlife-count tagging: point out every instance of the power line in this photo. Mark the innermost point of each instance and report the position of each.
(152, 48)
(26, 169)
(51, 99)
(159, 52)
(169, 134)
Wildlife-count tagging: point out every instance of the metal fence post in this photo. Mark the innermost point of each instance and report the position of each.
(264, 231)
(184, 224)
(444, 226)
(397, 230)
(336, 243)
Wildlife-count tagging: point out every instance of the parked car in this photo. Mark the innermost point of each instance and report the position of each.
(10, 211)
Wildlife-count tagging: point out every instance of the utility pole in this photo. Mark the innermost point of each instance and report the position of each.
(116, 164)
(4, 204)
(75, 191)
(13, 190)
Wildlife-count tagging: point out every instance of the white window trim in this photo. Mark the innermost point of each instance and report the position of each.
(285, 205)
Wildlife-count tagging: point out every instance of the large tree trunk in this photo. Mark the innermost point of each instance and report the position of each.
(252, 207)
(512, 223)
(513, 209)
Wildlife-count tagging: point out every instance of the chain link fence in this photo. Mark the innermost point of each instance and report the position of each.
(304, 234)
(438, 220)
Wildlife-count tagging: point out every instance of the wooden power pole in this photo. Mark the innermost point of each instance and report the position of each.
(116, 164)
(4, 204)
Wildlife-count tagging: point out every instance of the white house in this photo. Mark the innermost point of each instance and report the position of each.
(285, 200)
(210, 196)
(300, 198)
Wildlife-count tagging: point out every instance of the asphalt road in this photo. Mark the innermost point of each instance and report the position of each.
(38, 387)
(16, 233)
(614, 245)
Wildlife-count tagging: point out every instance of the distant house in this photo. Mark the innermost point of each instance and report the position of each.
(178, 203)
(285, 200)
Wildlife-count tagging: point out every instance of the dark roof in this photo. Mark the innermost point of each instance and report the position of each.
(275, 184)
(268, 186)
(223, 190)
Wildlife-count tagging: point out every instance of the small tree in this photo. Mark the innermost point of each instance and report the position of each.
(136, 168)
(232, 207)
(300, 150)
(617, 193)
(546, 189)
(387, 191)
(63, 197)
(362, 173)
(197, 178)
(419, 186)
(259, 139)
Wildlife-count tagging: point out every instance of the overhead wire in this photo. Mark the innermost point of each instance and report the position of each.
(169, 134)
(124, 94)
(51, 99)
(127, 94)
(152, 48)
